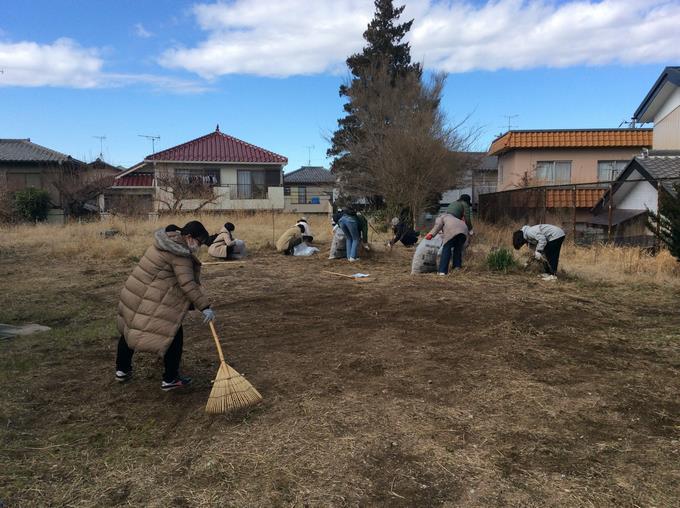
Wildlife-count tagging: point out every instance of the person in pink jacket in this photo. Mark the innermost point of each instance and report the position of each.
(455, 234)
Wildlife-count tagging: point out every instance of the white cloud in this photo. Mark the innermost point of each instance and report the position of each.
(65, 63)
(62, 63)
(293, 37)
(142, 32)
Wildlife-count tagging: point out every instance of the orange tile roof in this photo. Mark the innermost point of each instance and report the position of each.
(564, 198)
(585, 138)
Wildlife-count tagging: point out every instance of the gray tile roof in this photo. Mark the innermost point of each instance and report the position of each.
(309, 174)
(22, 150)
(662, 166)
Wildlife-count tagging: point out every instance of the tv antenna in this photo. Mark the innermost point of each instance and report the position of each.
(153, 140)
(309, 154)
(101, 145)
(509, 118)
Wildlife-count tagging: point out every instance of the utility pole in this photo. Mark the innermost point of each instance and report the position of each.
(101, 145)
(309, 154)
(153, 141)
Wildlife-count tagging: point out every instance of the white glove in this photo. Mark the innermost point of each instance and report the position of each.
(471, 233)
(538, 255)
(208, 315)
(367, 247)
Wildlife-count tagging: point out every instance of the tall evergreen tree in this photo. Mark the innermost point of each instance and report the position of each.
(384, 37)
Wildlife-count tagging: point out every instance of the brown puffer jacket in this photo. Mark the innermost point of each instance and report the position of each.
(158, 294)
(218, 249)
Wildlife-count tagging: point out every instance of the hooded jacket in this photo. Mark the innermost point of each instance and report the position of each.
(283, 243)
(539, 235)
(218, 249)
(450, 226)
(158, 293)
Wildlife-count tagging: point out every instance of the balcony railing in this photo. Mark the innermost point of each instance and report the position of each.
(244, 191)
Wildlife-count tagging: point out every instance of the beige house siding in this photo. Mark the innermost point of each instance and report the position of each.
(323, 193)
(667, 131)
(514, 164)
(17, 177)
(225, 190)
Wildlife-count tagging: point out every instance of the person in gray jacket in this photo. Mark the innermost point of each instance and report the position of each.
(546, 242)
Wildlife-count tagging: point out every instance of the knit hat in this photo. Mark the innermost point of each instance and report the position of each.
(395, 221)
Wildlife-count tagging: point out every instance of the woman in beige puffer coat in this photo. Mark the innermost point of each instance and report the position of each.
(162, 288)
(223, 245)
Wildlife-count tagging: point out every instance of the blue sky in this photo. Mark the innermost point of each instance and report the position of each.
(268, 71)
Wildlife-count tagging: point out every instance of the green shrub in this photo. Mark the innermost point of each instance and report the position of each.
(500, 260)
(31, 204)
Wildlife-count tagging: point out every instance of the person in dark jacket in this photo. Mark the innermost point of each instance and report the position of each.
(402, 233)
(462, 209)
(546, 242)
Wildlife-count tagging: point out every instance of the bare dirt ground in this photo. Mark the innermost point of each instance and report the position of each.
(477, 389)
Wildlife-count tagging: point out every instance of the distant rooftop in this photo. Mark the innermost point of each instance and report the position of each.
(309, 174)
(218, 147)
(571, 138)
(23, 150)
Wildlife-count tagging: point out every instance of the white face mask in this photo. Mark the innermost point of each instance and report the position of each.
(193, 244)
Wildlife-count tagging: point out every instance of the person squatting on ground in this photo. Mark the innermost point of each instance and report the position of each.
(222, 245)
(455, 234)
(290, 239)
(159, 292)
(546, 242)
(403, 233)
(355, 227)
(307, 235)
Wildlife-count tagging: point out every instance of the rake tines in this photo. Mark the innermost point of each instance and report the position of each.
(230, 390)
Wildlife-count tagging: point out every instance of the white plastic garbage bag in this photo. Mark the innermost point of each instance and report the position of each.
(338, 245)
(240, 251)
(425, 257)
(304, 249)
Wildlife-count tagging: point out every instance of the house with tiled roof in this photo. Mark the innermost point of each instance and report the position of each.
(309, 189)
(638, 187)
(25, 164)
(240, 175)
(478, 175)
(564, 156)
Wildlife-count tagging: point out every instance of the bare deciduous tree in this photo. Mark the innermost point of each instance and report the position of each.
(78, 188)
(406, 152)
(176, 189)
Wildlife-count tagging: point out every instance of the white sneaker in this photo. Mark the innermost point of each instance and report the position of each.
(352, 260)
(441, 273)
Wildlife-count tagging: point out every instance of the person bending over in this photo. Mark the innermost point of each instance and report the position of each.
(546, 242)
(455, 234)
(157, 295)
(402, 233)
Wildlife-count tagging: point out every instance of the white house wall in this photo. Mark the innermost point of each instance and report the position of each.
(667, 131)
(636, 195)
(672, 103)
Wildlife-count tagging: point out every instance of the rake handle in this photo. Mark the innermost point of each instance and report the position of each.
(217, 341)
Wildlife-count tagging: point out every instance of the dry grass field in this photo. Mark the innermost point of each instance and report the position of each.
(477, 389)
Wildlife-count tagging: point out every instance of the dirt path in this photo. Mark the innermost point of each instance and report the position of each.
(472, 390)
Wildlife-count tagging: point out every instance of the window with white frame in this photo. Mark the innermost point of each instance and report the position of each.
(608, 171)
(553, 172)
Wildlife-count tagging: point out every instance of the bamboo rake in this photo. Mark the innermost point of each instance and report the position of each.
(230, 390)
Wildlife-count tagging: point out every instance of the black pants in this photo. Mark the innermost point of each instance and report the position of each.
(552, 254)
(172, 357)
(291, 246)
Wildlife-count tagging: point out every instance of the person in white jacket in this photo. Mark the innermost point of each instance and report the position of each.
(546, 242)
